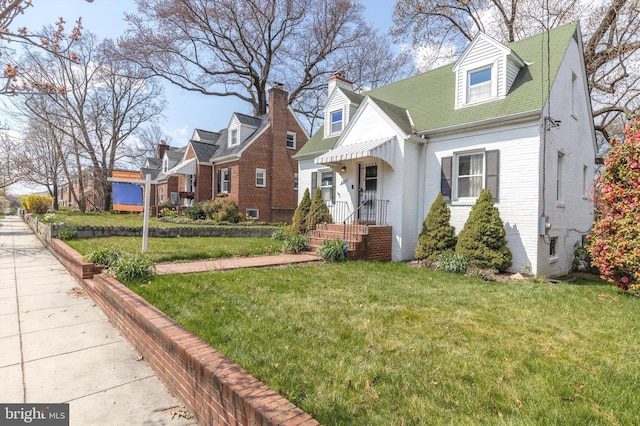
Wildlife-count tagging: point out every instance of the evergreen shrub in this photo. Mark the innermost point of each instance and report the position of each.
(437, 234)
(482, 240)
(297, 223)
(319, 212)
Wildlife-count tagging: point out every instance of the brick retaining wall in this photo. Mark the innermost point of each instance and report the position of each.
(183, 231)
(214, 389)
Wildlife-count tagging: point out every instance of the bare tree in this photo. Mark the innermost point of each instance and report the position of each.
(9, 171)
(611, 33)
(104, 102)
(145, 144)
(241, 47)
(42, 155)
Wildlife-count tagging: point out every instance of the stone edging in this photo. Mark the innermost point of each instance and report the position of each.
(214, 389)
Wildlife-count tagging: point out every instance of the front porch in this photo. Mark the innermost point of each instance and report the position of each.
(365, 230)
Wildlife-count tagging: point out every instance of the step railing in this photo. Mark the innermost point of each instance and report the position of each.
(369, 212)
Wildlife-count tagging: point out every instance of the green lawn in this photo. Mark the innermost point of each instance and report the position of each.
(184, 248)
(363, 343)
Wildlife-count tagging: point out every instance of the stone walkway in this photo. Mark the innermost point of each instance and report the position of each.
(236, 262)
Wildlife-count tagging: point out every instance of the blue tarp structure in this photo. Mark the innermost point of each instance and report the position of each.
(127, 193)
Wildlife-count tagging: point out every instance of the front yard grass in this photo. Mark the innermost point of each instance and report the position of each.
(184, 248)
(363, 343)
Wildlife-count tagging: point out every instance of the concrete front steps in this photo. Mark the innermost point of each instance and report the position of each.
(365, 242)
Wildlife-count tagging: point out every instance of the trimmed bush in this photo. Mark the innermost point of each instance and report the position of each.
(297, 225)
(296, 243)
(195, 212)
(451, 262)
(132, 268)
(319, 212)
(38, 204)
(222, 209)
(437, 234)
(483, 240)
(106, 256)
(333, 250)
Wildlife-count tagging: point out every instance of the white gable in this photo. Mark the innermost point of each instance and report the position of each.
(337, 102)
(243, 131)
(369, 123)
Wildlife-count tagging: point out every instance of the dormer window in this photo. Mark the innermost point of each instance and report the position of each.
(336, 121)
(233, 137)
(479, 84)
(165, 164)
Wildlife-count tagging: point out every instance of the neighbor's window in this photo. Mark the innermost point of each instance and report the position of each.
(295, 181)
(224, 180)
(261, 178)
(291, 140)
(479, 84)
(161, 194)
(470, 175)
(336, 121)
(253, 214)
(234, 137)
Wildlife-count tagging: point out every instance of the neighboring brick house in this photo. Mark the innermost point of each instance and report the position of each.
(250, 161)
(514, 118)
(92, 190)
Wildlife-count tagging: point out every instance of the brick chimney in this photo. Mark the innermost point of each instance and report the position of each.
(278, 102)
(339, 79)
(162, 147)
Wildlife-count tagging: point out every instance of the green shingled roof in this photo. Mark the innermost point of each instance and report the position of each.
(430, 96)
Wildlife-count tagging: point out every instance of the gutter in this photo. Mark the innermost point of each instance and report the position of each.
(226, 159)
(309, 155)
(487, 122)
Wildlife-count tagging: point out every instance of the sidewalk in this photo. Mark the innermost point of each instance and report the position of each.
(57, 346)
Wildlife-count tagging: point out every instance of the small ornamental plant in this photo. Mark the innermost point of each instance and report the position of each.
(614, 245)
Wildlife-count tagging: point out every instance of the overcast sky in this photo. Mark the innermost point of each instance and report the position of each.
(185, 111)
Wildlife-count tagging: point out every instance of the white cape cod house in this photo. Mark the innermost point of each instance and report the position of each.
(515, 118)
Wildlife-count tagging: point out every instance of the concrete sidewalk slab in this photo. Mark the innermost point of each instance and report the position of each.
(57, 346)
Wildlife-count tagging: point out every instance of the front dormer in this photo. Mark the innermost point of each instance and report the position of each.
(485, 71)
(240, 128)
(165, 163)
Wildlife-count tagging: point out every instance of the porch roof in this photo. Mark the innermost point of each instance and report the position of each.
(187, 167)
(378, 148)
